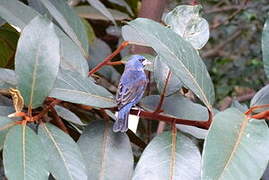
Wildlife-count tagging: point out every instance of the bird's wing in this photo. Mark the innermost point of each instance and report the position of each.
(131, 92)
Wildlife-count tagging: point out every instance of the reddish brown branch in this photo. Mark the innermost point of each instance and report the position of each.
(46, 110)
(158, 109)
(168, 119)
(58, 122)
(262, 115)
(250, 110)
(116, 63)
(108, 58)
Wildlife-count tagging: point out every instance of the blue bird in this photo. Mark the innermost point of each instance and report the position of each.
(131, 88)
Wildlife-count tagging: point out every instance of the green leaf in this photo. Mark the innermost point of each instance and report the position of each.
(37, 61)
(102, 9)
(192, 130)
(176, 106)
(72, 87)
(265, 47)
(6, 110)
(186, 21)
(108, 154)
(160, 74)
(179, 55)
(24, 156)
(124, 4)
(68, 115)
(90, 32)
(8, 42)
(5, 124)
(97, 56)
(169, 156)
(261, 98)
(21, 15)
(236, 147)
(69, 21)
(16, 13)
(7, 78)
(65, 158)
(89, 12)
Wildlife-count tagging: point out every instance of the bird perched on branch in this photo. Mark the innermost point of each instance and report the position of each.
(131, 88)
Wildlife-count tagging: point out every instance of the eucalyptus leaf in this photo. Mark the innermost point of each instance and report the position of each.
(6, 110)
(236, 147)
(102, 9)
(176, 106)
(21, 15)
(261, 98)
(39, 7)
(89, 12)
(169, 156)
(5, 124)
(194, 131)
(72, 87)
(65, 158)
(37, 61)
(177, 53)
(241, 107)
(7, 78)
(160, 74)
(97, 56)
(27, 161)
(186, 21)
(124, 4)
(265, 47)
(8, 43)
(108, 155)
(68, 115)
(69, 21)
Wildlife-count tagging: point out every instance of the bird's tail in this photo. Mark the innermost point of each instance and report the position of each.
(121, 123)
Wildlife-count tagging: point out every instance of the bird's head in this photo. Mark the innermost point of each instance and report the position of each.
(137, 62)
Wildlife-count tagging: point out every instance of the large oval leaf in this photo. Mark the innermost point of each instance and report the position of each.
(69, 21)
(176, 106)
(179, 55)
(65, 158)
(72, 87)
(5, 124)
(37, 61)
(68, 115)
(21, 15)
(265, 47)
(24, 156)
(108, 155)
(169, 156)
(235, 148)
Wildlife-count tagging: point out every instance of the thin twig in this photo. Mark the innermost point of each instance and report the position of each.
(58, 120)
(243, 6)
(108, 58)
(215, 51)
(46, 110)
(168, 119)
(158, 109)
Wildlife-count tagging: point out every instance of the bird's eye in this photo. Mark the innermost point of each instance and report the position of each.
(141, 60)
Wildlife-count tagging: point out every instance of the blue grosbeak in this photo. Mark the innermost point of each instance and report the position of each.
(131, 88)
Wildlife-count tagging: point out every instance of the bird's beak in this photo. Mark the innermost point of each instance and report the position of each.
(146, 62)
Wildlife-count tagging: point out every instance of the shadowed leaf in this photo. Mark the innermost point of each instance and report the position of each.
(108, 154)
